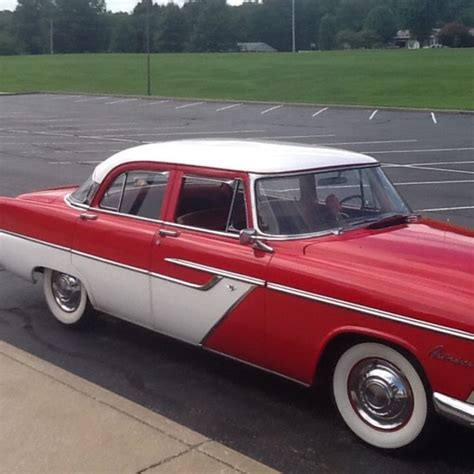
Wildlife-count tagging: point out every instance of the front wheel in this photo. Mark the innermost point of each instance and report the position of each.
(381, 396)
(67, 299)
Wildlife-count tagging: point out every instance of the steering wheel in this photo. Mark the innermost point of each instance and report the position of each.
(353, 196)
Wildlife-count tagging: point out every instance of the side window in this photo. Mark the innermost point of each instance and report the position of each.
(138, 193)
(213, 204)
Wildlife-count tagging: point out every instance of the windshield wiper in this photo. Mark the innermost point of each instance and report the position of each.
(393, 219)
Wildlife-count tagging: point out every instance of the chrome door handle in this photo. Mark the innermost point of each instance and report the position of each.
(88, 217)
(168, 233)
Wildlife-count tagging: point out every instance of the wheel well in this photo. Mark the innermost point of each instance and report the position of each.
(35, 271)
(340, 343)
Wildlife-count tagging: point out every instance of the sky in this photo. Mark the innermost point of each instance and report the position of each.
(114, 5)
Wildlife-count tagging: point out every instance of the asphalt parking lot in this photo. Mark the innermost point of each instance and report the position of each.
(48, 140)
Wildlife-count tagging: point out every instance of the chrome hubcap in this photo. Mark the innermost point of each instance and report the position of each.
(66, 291)
(380, 394)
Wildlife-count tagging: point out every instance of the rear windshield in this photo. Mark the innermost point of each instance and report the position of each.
(85, 192)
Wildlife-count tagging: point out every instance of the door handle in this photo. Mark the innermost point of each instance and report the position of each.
(88, 217)
(168, 233)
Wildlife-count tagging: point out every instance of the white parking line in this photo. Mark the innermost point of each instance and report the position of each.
(423, 150)
(374, 113)
(224, 132)
(443, 163)
(393, 165)
(440, 209)
(285, 137)
(418, 183)
(433, 117)
(155, 102)
(185, 106)
(90, 99)
(121, 101)
(369, 143)
(320, 112)
(271, 109)
(228, 107)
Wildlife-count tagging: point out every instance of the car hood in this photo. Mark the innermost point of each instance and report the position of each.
(48, 196)
(423, 270)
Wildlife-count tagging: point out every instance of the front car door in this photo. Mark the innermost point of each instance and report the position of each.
(113, 241)
(207, 288)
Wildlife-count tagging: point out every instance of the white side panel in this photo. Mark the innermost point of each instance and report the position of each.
(115, 290)
(21, 255)
(188, 313)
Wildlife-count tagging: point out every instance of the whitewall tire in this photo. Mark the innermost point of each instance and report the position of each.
(67, 299)
(381, 396)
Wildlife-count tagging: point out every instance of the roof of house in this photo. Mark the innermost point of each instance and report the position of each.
(238, 155)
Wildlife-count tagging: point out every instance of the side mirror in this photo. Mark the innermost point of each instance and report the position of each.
(248, 236)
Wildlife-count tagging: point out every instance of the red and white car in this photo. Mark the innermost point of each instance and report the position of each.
(302, 261)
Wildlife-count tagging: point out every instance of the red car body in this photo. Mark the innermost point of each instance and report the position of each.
(408, 285)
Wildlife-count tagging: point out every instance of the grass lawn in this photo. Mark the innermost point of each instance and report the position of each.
(434, 78)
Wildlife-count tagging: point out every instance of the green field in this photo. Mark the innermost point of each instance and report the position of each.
(435, 78)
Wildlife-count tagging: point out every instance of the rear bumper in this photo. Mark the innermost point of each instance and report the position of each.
(456, 410)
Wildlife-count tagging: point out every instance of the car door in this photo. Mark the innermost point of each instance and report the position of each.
(207, 288)
(113, 242)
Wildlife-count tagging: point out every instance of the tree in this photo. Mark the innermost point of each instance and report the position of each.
(419, 16)
(123, 35)
(79, 26)
(31, 18)
(327, 32)
(381, 22)
(456, 35)
(214, 29)
(172, 30)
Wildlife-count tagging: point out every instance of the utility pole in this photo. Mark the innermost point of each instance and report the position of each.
(293, 25)
(51, 36)
(148, 46)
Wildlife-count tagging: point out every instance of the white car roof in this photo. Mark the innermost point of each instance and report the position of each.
(236, 155)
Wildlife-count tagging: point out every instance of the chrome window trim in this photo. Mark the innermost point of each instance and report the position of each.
(373, 311)
(216, 271)
(253, 196)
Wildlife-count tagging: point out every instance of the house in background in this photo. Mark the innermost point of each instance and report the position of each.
(256, 48)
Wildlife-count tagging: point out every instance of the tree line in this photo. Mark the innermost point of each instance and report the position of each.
(79, 26)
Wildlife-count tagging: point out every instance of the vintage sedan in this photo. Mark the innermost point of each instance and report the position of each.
(303, 261)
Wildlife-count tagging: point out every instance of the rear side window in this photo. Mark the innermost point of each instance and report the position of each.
(213, 204)
(137, 193)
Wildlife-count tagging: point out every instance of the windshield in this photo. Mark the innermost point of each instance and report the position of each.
(85, 192)
(315, 202)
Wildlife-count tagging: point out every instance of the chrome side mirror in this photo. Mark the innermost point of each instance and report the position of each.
(248, 236)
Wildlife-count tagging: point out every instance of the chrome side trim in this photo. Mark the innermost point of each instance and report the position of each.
(456, 410)
(216, 271)
(372, 311)
(36, 241)
(255, 366)
(206, 287)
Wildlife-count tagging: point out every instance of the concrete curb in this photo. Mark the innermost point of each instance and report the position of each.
(174, 447)
(257, 102)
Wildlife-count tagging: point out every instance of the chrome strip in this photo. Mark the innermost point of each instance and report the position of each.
(201, 229)
(225, 316)
(373, 311)
(216, 271)
(255, 366)
(456, 410)
(36, 241)
(206, 287)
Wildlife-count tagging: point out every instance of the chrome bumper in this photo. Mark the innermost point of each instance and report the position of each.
(456, 410)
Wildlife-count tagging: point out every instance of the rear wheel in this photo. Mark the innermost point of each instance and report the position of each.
(67, 299)
(381, 396)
